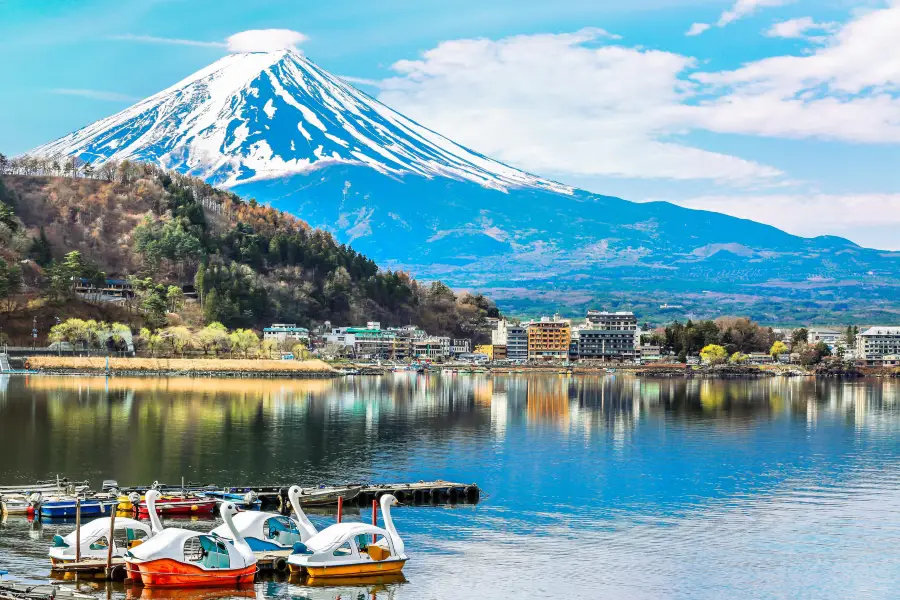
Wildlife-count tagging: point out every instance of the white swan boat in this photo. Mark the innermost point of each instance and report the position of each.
(95, 540)
(267, 532)
(182, 558)
(352, 549)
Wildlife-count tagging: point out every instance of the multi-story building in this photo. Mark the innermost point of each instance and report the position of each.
(282, 332)
(548, 339)
(431, 348)
(650, 354)
(873, 344)
(830, 337)
(513, 337)
(619, 321)
(370, 341)
(460, 346)
(607, 336)
(606, 344)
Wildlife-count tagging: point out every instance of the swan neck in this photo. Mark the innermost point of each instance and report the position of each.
(389, 526)
(239, 542)
(155, 524)
(306, 525)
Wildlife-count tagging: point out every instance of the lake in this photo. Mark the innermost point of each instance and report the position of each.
(593, 487)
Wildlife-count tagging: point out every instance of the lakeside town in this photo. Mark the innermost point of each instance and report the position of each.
(599, 339)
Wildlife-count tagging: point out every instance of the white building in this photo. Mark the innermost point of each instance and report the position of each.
(873, 344)
(282, 332)
(460, 346)
(830, 337)
(514, 337)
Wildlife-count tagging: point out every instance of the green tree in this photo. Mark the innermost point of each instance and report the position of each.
(181, 338)
(738, 358)
(10, 282)
(174, 297)
(244, 341)
(713, 354)
(41, 250)
(799, 336)
(778, 348)
(213, 337)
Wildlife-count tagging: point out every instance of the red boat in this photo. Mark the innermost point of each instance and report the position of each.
(177, 506)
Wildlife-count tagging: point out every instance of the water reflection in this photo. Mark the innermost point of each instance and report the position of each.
(594, 486)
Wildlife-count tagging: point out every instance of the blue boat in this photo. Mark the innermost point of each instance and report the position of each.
(247, 499)
(65, 507)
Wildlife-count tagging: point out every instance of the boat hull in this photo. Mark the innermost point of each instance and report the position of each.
(190, 507)
(67, 509)
(168, 573)
(366, 569)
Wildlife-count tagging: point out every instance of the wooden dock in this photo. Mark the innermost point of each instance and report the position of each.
(90, 569)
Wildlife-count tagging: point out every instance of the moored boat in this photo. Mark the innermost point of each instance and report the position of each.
(174, 506)
(352, 549)
(324, 496)
(64, 507)
(270, 532)
(182, 558)
(94, 538)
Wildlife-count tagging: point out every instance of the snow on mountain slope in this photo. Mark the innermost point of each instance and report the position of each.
(262, 115)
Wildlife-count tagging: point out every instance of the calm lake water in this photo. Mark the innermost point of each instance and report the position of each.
(595, 487)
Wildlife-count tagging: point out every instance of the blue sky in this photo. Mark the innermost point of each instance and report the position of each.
(784, 111)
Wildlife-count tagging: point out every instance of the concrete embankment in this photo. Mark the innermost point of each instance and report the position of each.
(180, 367)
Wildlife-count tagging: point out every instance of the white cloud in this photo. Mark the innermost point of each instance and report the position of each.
(744, 8)
(152, 39)
(799, 29)
(847, 90)
(564, 104)
(740, 9)
(265, 40)
(870, 220)
(697, 29)
(94, 94)
(252, 40)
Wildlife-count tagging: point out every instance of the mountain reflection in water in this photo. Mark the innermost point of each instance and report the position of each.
(607, 486)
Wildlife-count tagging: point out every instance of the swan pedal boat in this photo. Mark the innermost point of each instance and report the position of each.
(268, 533)
(95, 540)
(352, 549)
(184, 558)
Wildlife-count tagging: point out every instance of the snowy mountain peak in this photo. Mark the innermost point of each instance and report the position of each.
(263, 115)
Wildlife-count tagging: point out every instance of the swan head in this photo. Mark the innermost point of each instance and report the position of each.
(229, 509)
(152, 495)
(390, 500)
(294, 490)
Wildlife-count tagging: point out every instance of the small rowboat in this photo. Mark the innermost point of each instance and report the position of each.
(325, 496)
(179, 506)
(65, 507)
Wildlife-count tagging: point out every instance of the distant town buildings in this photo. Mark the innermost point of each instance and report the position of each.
(282, 332)
(877, 345)
(548, 339)
(514, 338)
(830, 337)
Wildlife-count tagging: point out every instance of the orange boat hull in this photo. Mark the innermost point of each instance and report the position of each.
(367, 569)
(166, 572)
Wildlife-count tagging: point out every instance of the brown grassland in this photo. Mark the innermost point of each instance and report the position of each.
(174, 365)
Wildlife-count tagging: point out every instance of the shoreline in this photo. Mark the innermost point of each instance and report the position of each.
(221, 368)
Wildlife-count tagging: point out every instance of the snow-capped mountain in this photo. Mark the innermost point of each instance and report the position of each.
(261, 115)
(276, 127)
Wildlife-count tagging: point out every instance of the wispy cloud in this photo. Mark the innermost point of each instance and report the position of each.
(152, 39)
(94, 94)
(740, 9)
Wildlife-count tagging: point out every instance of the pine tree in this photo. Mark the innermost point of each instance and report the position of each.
(41, 250)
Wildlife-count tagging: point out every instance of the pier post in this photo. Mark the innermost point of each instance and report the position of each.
(374, 517)
(77, 529)
(340, 508)
(112, 531)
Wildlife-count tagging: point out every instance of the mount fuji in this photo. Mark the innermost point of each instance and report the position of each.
(275, 126)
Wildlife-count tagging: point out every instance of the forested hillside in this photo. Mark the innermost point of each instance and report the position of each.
(250, 264)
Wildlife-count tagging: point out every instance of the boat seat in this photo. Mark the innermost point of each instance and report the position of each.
(378, 553)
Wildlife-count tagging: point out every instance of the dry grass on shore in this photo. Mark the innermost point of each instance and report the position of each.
(165, 365)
